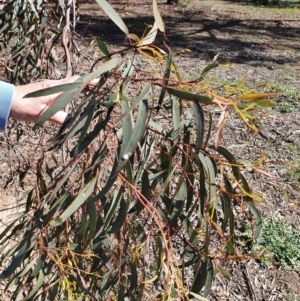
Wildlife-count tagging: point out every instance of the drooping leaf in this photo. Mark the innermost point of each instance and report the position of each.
(136, 135)
(200, 276)
(231, 160)
(120, 218)
(176, 120)
(157, 16)
(37, 285)
(113, 15)
(136, 100)
(68, 96)
(209, 278)
(113, 206)
(257, 219)
(79, 200)
(150, 37)
(165, 82)
(15, 263)
(225, 203)
(199, 121)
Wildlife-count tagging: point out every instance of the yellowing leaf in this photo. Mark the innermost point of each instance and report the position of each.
(255, 96)
(150, 280)
(265, 103)
(150, 37)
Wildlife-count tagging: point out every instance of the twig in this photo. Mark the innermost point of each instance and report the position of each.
(66, 39)
(249, 283)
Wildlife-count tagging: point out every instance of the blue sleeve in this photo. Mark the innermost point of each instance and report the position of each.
(6, 94)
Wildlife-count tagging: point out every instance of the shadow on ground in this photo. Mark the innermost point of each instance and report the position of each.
(238, 40)
(267, 3)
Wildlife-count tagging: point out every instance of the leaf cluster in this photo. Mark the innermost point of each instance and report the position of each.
(23, 39)
(136, 203)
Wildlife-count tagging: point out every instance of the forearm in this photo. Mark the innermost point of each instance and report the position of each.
(6, 96)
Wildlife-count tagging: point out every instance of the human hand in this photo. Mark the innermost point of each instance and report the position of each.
(30, 109)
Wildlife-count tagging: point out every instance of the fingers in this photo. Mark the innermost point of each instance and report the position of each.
(91, 85)
(59, 117)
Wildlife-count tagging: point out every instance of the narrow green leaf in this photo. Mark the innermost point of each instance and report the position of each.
(83, 226)
(230, 247)
(28, 267)
(3, 234)
(177, 209)
(145, 192)
(136, 100)
(53, 292)
(220, 268)
(102, 47)
(120, 218)
(200, 276)
(15, 263)
(210, 122)
(176, 120)
(68, 96)
(158, 17)
(211, 178)
(158, 252)
(113, 206)
(231, 160)
(246, 187)
(127, 123)
(88, 139)
(258, 220)
(209, 278)
(113, 15)
(134, 276)
(165, 82)
(37, 285)
(198, 297)
(136, 135)
(40, 262)
(54, 90)
(82, 196)
(61, 182)
(121, 292)
(190, 185)
(93, 220)
(225, 201)
(199, 121)
(90, 113)
(184, 95)
(158, 127)
(208, 68)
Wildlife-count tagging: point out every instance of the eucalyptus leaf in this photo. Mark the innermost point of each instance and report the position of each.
(113, 15)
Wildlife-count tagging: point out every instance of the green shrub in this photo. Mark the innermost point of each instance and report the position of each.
(132, 200)
(279, 241)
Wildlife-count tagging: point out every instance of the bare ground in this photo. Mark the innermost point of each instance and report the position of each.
(258, 46)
